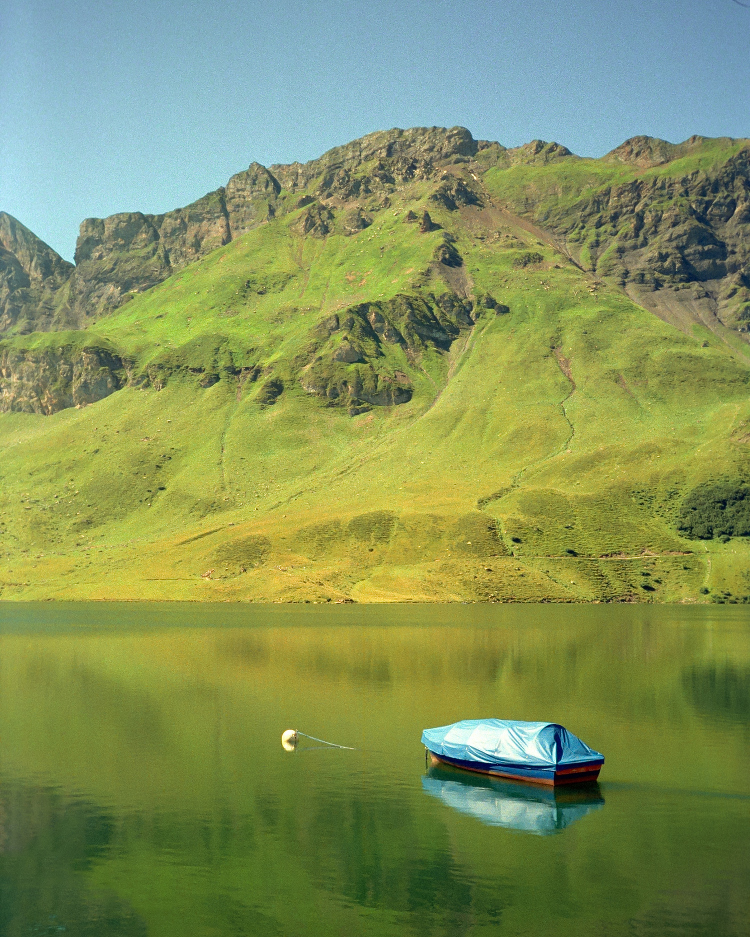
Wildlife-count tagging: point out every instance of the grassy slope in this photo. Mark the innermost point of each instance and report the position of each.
(574, 424)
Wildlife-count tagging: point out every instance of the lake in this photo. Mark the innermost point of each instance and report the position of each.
(144, 788)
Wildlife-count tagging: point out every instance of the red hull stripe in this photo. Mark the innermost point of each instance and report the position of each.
(579, 774)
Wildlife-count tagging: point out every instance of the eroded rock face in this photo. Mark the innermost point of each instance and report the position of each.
(316, 221)
(657, 232)
(192, 232)
(131, 252)
(250, 198)
(123, 254)
(355, 221)
(32, 277)
(391, 156)
(349, 365)
(114, 256)
(55, 378)
(453, 193)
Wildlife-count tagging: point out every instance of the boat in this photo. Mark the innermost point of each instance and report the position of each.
(527, 808)
(537, 752)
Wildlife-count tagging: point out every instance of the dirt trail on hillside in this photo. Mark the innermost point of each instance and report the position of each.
(565, 367)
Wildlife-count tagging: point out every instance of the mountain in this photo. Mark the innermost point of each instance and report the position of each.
(422, 367)
(33, 278)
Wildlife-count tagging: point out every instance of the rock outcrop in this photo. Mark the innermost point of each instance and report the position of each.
(348, 362)
(47, 379)
(33, 278)
(250, 198)
(120, 255)
(381, 161)
(536, 153)
(131, 252)
(659, 231)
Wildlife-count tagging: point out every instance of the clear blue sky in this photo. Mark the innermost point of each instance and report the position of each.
(113, 106)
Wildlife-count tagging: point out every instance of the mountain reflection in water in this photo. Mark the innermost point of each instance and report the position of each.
(48, 842)
(143, 789)
(523, 807)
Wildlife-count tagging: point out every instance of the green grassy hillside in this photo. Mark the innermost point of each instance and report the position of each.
(353, 401)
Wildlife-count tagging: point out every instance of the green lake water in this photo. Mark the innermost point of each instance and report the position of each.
(144, 788)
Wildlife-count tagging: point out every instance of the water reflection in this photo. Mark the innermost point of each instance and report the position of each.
(523, 807)
(719, 690)
(47, 842)
(143, 786)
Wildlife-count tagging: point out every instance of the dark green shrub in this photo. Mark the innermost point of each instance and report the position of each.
(718, 510)
(525, 260)
(376, 526)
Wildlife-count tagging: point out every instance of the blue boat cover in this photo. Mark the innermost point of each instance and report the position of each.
(508, 741)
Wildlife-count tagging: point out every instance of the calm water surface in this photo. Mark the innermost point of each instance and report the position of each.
(144, 789)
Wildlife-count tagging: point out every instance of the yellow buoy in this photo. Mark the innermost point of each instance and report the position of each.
(289, 740)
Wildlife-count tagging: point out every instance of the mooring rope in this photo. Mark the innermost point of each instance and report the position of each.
(332, 744)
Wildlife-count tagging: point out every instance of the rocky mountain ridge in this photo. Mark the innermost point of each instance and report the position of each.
(123, 254)
(33, 277)
(671, 233)
(646, 233)
(688, 232)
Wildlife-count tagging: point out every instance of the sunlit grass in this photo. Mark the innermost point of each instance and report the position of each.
(571, 426)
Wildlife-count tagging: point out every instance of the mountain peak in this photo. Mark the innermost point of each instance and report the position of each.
(38, 259)
(31, 273)
(538, 152)
(644, 151)
(440, 142)
(404, 153)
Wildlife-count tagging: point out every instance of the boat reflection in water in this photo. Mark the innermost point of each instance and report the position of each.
(522, 807)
